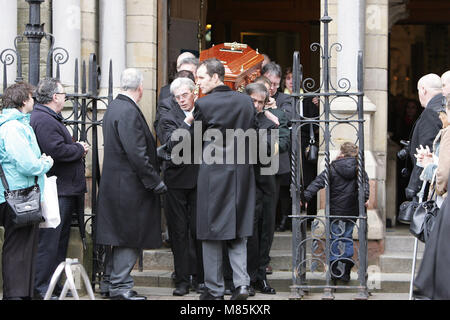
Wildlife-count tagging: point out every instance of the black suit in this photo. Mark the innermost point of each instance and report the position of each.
(424, 132)
(180, 200)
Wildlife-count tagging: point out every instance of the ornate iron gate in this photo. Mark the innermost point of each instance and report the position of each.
(311, 248)
(80, 114)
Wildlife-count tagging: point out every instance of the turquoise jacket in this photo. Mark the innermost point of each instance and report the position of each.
(19, 152)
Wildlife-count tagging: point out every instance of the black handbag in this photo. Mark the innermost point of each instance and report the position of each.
(406, 211)
(423, 220)
(311, 151)
(25, 204)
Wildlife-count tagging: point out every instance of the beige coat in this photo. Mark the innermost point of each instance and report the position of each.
(443, 168)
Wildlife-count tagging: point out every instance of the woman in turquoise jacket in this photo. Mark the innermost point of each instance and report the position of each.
(21, 160)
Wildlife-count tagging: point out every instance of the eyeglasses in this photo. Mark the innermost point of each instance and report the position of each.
(184, 96)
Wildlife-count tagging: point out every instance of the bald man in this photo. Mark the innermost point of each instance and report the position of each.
(429, 88)
(185, 61)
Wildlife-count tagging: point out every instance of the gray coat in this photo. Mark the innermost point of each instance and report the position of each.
(129, 213)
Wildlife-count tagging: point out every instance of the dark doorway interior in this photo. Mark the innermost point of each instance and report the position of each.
(418, 45)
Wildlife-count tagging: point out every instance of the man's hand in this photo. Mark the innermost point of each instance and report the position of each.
(269, 115)
(315, 100)
(271, 104)
(85, 147)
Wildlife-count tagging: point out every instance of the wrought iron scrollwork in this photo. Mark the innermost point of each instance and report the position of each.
(321, 249)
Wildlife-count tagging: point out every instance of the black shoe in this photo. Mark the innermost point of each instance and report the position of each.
(181, 290)
(241, 293)
(104, 294)
(251, 291)
(200, 288)
(128, 295)
(208, 296)
(263, 287)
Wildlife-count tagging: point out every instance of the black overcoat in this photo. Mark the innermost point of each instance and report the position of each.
(225, 192)
(128, 210)
(425, 130)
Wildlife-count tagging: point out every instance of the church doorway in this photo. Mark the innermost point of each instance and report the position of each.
(419, 43)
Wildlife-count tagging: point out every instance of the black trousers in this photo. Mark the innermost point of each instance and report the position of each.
(18, 257)
(181, 206)
(53, 244)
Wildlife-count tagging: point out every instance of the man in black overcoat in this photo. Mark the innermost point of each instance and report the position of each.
(426, 127)
(225, 192)
(128, 217)
(181, 180)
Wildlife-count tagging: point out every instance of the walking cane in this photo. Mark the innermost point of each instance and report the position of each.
(416, 244)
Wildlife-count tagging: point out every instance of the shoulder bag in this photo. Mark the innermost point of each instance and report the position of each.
(25, 203)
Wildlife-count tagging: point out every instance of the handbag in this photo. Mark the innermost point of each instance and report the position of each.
(311, 151)
(406, 211)
(423, 220)
(50, 204)
(25, 204)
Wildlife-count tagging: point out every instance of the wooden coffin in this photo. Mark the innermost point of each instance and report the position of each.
(242, 63)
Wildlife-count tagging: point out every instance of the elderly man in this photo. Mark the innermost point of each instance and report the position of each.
(225, 191)
(185, 61)
(128, 217)
(56, 141)
(427, 126)
(181, 180)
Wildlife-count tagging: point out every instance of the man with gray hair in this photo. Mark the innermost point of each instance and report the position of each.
(55, 140)
(429, 88)
(128, 217)
(181, 198)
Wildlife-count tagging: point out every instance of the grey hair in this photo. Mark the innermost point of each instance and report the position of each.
(45, 90)
(272, 68)
(181, 82)
(257, 87)
(131, 79)
(194, 61)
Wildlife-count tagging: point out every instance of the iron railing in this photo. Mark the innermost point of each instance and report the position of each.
(311, 247)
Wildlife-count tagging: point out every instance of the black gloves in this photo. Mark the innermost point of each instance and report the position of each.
(160, 188)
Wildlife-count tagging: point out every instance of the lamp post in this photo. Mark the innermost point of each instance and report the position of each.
(34, 31)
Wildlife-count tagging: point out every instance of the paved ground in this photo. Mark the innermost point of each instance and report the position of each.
(157, 293)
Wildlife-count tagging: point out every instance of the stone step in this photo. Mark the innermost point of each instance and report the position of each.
(162, 259)
(282, 241)
(401, 243)
(281, 281)
(399, 262)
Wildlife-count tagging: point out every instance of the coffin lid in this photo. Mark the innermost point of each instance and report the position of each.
(238, 59)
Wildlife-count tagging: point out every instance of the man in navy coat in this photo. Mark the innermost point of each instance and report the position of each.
(55, 140)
